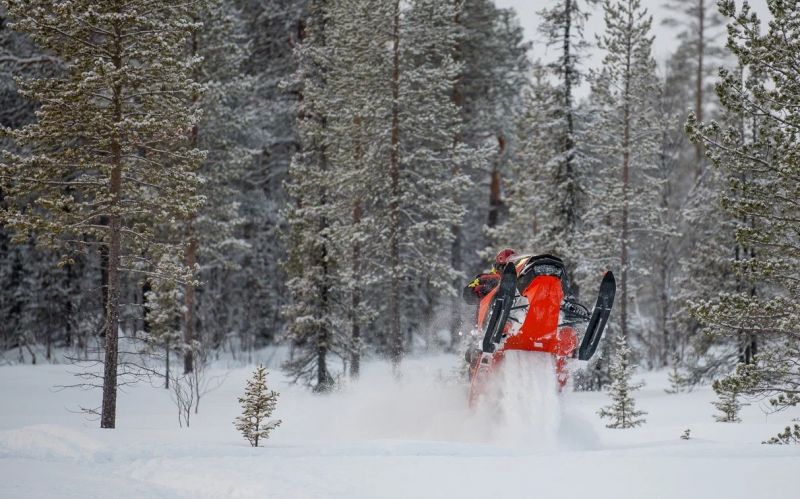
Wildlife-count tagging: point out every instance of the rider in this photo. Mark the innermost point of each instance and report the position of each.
(483, 284)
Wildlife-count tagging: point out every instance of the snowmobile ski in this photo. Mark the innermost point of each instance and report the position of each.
(599, 318)
(501, 308)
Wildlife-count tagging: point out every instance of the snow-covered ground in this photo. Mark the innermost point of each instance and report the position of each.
(381, 438)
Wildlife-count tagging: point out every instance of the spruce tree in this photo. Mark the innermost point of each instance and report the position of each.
(255, 288)
(622, 412)
(258, 404)
(108, 158)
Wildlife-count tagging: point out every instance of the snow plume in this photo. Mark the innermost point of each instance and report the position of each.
(521, 407)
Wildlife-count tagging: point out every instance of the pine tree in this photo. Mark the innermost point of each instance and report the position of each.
(41, 304)
(257, 291)
(562, 212)
(429, 121)
(700, 21)
(109, 157)
(358, 85)
(622, 412)
(258, 404)
(163, 317)
(789, 436)
(728, 390)
(666, 346)
(625, 191)
(761, 171)
(698, 255)
(225, 131)
(313, 318)
(677, 380)
(487, 93)
(528, 166)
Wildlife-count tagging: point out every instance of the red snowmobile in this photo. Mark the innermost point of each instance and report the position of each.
(531, 309)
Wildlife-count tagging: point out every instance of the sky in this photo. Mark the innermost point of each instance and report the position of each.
(665, 37)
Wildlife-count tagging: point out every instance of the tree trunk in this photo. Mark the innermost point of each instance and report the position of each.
(166, 368)
(455, 250)
(191, 253)
(355, 323)
(626, 160)
(188, 314)
(108, 417)
(698, 104)
(666, 344)
(355, 297)
(395, 332)
(570, 206)
(68, 306)
(109, 407)
(495, 199)
(324, 379)
(104, 274)
(569, 140)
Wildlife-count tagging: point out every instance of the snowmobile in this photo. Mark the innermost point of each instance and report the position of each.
(532, 310)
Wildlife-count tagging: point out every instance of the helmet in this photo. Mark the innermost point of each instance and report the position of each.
(503, 257)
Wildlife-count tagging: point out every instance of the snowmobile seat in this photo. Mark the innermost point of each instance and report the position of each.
(542, 265)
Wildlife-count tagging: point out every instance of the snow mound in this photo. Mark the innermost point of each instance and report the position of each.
(48, 442)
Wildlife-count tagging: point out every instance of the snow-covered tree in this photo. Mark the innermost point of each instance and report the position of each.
(561, 222)
(728, 391)
(677, 379)
(359, 90)
(429, 187)
(761, 171)
(163, 312)
(493, 55)
(312, 259)
(108, 158)
(41, 304)
(700, 22)
(789, 436)
(624, 205)
(258, 404)
(622, 412)
(225, 131)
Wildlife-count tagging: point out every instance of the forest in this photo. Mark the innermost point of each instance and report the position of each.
(184, 181)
